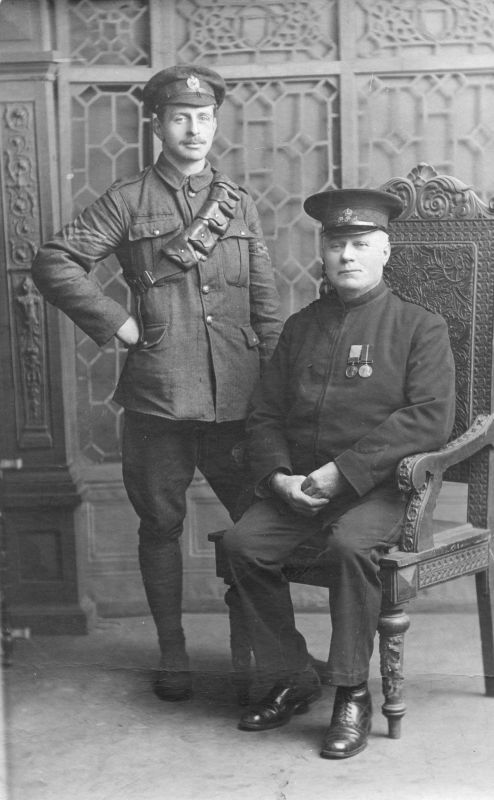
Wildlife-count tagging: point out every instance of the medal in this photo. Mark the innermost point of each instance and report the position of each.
(353, 360)
(365, 369)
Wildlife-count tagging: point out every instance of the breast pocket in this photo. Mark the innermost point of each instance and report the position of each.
(234, 248)
(147, 236)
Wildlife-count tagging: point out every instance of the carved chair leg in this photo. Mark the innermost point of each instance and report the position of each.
(485, 595)
(393, 623)
(240, 648)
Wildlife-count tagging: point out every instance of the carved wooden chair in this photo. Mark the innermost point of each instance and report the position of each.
(442, 258)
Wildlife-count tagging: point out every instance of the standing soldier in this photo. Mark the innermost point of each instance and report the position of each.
(206, 316)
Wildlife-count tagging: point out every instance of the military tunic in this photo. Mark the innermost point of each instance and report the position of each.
(204, 331)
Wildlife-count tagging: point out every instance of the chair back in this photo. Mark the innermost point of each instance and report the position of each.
(443, 258)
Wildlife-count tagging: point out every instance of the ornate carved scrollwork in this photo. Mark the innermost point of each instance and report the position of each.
(391, 663)
(23, 235)
(427, 195)
(29, 310)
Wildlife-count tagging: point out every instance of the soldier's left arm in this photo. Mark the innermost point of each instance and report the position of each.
(265, 312)
(424, 423)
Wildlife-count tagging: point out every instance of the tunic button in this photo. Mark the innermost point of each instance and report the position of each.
(156, 232)
(205, 289)
(209, 319)
(191, 193)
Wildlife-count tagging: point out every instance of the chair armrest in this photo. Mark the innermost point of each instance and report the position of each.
(413, 470)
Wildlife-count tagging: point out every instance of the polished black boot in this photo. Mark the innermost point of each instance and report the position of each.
(292, 696)
(350, 723)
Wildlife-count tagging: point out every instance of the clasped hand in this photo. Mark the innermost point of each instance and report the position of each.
(307, 495)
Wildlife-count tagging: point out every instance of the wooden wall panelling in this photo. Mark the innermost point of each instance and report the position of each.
(43, 502)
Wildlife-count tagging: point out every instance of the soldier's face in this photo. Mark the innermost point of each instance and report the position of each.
(186, 133)
(354, 264)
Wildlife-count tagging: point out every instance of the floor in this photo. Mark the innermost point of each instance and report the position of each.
(82, 724)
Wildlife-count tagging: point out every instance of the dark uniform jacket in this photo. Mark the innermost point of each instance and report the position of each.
(308, 412)
(203, 331)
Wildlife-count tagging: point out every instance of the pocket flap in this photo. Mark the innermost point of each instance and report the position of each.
(152, 228)
(152, 335)
(251, 336)
(239, 229)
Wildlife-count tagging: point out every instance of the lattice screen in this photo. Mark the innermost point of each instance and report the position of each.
(109, 31)
(321, 93)
(235, 32)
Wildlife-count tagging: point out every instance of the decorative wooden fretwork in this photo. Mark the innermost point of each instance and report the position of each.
(280, 139)
(427, 27)
(321, 93)
(109, 31)
(443, 118)
(235, 32)
(110, 139)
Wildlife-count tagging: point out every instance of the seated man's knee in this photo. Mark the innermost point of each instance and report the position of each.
(341, 549)
(233, 543)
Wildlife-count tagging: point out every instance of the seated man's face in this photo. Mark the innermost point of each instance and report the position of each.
(354, 263)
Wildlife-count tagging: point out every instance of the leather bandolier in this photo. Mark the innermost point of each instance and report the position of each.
(199, 238)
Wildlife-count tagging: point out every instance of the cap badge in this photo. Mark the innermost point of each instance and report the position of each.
(193, 83)
(347, 216)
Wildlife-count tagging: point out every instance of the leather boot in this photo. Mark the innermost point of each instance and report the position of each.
(288, 697)
(350, 723)
(173, 686)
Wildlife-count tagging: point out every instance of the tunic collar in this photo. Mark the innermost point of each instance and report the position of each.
(376, 292)
(176, 179)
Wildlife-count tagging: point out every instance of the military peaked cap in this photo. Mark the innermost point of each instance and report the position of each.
(184, 84)
(353, 210)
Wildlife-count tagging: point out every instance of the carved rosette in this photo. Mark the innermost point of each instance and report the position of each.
(23, 235)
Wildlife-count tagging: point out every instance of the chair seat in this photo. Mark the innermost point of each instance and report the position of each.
(462, 550)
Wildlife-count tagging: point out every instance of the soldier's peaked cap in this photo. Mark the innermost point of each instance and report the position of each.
(353, 210)
(184, 84)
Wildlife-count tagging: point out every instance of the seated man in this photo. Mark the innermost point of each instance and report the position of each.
(360, 378)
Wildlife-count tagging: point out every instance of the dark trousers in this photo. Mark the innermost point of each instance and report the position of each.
(357, 532)
(159, 458)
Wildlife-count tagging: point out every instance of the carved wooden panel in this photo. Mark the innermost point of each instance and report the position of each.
(109, 31)
(40, 556)
(445, 236)
(426, 27)
(22, 25)
(448, 567)
(235, 32)
(22, 232)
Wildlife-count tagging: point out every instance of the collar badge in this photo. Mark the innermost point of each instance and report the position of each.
(193, 83)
